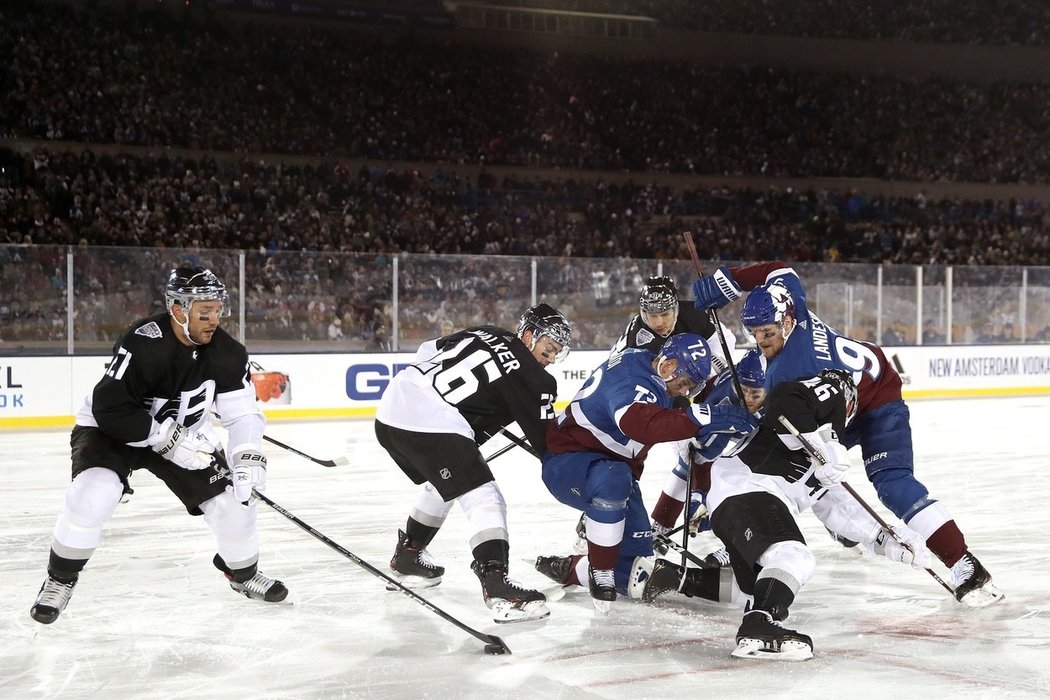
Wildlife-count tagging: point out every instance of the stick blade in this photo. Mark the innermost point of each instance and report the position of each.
(496, 646)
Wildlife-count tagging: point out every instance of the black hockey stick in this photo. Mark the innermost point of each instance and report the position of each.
(816, 454)
(506, 448)
(520, 442)
(691, 246)
(337, 462)
(493, 644)
(682, 550)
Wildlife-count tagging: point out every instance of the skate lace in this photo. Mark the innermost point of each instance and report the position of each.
(604, 578)
(55, 594)
(721, 556)
(962, 570)
(258, 584)
(424, 559)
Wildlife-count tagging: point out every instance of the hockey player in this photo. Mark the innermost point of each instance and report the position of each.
(597, 449)
(459, 391)
(756, 497)
(152, 410)
(688, 477)
(797, 344)
(661, 315)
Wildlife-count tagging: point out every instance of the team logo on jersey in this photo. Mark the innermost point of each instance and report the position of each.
(748, 534)
(644, 337)
(150, 330)
(445, 473)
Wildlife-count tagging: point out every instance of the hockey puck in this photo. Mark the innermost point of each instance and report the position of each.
(495, 649)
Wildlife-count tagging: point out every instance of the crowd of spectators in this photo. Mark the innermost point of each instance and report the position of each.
(96, 77)
(1025, 22)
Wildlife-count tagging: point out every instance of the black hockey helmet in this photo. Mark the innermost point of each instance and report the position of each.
(659, 294)
(545, 320)
(187, 284)
(844, 381)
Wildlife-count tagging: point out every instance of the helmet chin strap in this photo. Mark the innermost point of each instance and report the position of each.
(184, 325)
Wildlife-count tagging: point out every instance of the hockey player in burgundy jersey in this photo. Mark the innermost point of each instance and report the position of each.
(152, 410)
(458, 391)
(797, 344)
(596, 453)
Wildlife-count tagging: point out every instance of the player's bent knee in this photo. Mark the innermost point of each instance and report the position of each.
(793, 559)
(611, 485)
(92, 497)
(899, 490)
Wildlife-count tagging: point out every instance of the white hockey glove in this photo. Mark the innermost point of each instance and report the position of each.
(181, 446)
(886, 546)
(836, 458)
(247, 472)
(659, 546)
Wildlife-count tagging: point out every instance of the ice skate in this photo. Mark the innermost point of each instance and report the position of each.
(51, 600)
(580, 545)
(973, 584)
(508, 600)
(762, 637)
(557, 569)
(602, 583)
(641, 571)
(665, 577)
(258, 587)
(718, 558)
(413, 566)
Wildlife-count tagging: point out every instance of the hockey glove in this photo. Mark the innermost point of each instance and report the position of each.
(835, 463)
(659, 543)
(699, 520)
(247, 472)
(886, 546)
(715, 291)
(181, 446)
(718, 426)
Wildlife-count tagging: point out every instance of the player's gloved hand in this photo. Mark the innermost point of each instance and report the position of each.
(698, 514)
(247, 472)
(836, 463)
(715, 291)
(659, 545)
(718, 426)
(915, 554)
(687, 453)
(181, 446)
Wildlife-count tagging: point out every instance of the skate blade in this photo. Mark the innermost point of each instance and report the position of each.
(982, 597)
(504, 611)
(555, 593)
(601, 607)
(789, 650)
(413, 582)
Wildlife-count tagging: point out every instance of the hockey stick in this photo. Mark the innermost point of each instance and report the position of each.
(520, 442)
(664, 539)
(816, 454)
(337, 462)
(493, 644)
(688, 236)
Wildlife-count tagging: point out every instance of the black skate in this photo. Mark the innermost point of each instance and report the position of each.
(666, 577)
(973, 583)
(258, 587)
(557, 569)
(762, 637)
(413, 567)
(508, 600)
(602, 583)
(52, 599)
(845, 542)
(718, 558)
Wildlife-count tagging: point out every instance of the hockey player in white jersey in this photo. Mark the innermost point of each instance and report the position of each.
(756, 496)
(152, 410)
(457, 392)
(597, 450)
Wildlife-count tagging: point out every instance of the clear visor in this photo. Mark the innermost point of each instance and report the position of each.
(551, 348)
(204, 309)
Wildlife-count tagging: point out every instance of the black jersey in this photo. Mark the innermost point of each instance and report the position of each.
(638, 334)
(473, 382)
(153, 376)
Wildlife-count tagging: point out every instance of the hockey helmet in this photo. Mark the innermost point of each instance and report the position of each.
(693, 356)
(844, 381)
(545, 320)
(659, 294)
(751, 370)
(769, 303)
(187, 284)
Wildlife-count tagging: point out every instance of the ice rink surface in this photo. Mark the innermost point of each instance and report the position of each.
(151, 617)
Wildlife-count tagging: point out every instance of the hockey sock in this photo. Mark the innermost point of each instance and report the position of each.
(64, 570)
(947, 543)
(492, 550)
(773, 596)
(238, 575)
(419, 534)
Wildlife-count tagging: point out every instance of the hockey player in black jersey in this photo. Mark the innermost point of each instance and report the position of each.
(152, 410)
(458, 391)
(661, 315)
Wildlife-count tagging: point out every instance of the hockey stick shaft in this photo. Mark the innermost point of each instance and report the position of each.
(340, 461)
(487, 638)
(520, 442)
(691, 247)
(681, 550)
(816, 454)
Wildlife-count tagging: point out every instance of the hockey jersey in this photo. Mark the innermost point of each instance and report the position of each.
(813, 345)
(622, 410)
(473, 383)
(152, 376)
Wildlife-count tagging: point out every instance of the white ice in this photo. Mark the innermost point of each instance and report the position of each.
(151, 618)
